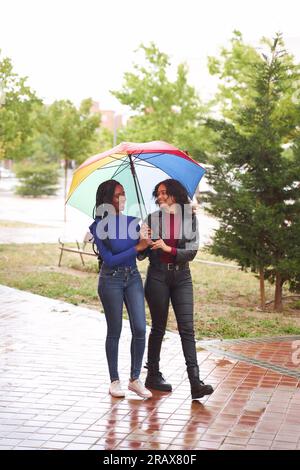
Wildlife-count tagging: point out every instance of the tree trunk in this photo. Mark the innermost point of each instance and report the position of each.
(65, 191)
(278, 307)
(262, 289)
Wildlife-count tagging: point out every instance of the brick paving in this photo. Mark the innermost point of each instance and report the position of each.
(280, 354)
(54, 387)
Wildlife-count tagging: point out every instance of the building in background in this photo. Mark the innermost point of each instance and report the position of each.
(109, 119)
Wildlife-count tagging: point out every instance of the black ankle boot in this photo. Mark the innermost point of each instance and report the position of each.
(198, 388)
(155, 380)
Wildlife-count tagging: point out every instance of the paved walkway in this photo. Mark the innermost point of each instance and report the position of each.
(54, 390)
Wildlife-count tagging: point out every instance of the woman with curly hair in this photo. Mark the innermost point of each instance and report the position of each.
(173, 228)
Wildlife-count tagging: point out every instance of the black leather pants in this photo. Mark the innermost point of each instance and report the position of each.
(162, 286)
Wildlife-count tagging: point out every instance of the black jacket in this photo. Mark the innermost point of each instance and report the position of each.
(187, 245)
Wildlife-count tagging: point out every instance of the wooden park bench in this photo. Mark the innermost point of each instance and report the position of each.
(83, 249)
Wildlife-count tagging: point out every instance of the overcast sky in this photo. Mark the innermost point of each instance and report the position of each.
(73, 49)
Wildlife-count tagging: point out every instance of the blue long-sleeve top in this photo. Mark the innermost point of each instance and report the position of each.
(116, 237)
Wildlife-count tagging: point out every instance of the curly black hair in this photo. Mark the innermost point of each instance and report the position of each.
(174, 188)
(105, 194)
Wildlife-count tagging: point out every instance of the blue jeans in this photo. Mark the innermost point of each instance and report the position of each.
(116, 287)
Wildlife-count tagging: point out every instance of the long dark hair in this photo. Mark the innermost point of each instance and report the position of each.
(104, 195)
(174, 188)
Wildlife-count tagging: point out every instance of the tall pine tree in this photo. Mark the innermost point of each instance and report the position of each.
(256, 169)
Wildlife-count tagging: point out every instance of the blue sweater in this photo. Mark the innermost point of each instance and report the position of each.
(116, 238)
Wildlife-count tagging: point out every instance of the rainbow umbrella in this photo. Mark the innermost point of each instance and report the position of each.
(138, 167)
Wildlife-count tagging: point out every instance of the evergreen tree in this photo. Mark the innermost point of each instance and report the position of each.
(256, 170)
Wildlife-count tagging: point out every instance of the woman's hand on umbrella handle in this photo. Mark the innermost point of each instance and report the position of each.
(143, 244)
(146, 231)
(160, 244)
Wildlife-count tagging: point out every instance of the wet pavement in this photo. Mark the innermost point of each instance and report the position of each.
(54, 387)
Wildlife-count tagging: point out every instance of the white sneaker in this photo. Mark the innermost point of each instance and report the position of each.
(115, 389)
(137, 387)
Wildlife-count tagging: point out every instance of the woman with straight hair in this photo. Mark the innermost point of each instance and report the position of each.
(118, 241)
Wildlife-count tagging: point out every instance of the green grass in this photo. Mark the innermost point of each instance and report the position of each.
(226, 299)
(41, 275)
(60, 286)
(16, 224)
(239, 325)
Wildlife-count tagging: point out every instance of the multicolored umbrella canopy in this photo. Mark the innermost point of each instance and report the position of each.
(138, 167)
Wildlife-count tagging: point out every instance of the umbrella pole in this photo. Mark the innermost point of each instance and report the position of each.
(136, 184)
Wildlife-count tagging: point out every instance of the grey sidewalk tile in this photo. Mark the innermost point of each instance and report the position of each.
(19, 435)
(55, 424)
(59, 408)
(10, 442)
(92, 434)
(77, 446)
(54, 445)
(98, 447)
(76, 426)
(62, 438)
(26, 428)
(39, 436)
(12, 422)
(7, 428)
(85, 440)
(48, 430)
(69, 432)
(32, 443)
(21, 448)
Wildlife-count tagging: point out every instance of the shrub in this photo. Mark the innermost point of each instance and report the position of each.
(37, 178)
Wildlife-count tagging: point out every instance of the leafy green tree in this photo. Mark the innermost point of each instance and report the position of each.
(72, 131)
(42, 143)
(163, 109)
(104, 140)
(17, 106)
(255, 177)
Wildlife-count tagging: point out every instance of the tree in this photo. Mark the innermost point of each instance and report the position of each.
(38, 176)
(17, 105)
(39, 173)
(163, 109)
(72, 131)
(104, 139)
(256, 166)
